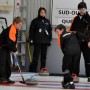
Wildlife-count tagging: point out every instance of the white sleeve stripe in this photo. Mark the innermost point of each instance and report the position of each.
(66, 34)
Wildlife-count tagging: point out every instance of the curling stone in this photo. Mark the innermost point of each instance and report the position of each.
(31, 81)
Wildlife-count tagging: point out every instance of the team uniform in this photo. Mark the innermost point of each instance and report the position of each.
(71, 50)
(40, 36)
(8, 38)
(80, 24)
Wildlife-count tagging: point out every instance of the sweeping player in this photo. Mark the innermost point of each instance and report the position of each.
(8, 39)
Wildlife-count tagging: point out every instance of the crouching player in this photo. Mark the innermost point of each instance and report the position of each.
(71, 51)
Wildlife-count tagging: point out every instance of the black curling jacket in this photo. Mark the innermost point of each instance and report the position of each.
(40, 31)
(69, 43)
(80, 24)
(8, 38)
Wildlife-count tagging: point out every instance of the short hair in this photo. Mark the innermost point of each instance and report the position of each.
(41, 8)
(18, 19)
(60, 26)
(82, 5)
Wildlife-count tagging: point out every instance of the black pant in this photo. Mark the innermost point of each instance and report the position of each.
(39, 49)
(5, 64)
(86, 54)
(71, 62)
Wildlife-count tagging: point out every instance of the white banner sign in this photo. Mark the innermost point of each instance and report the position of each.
(65, 10)
(7, 10)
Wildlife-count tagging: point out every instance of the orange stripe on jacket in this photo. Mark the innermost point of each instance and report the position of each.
(59, 42)
(68, 30)
(12, 33)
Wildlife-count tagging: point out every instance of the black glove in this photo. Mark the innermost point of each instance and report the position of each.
(31, 42)
(49, 44)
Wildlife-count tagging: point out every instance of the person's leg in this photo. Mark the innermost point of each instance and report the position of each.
(2, 65)
(76, 66)
(87, 62)
(43, 55)
(34, 64)
(67, 61)
(86, 55)
(76, 63)
(68, 80)
(8, 68)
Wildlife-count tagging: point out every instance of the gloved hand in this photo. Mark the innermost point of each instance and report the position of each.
(49, 44)
(31, 42)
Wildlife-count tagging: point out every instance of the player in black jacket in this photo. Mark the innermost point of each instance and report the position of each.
(8, 39)
(80, 23)
(40, 35)
(71, 50)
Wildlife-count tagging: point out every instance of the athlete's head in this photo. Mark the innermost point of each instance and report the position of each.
(59, 29)
(82, 8)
